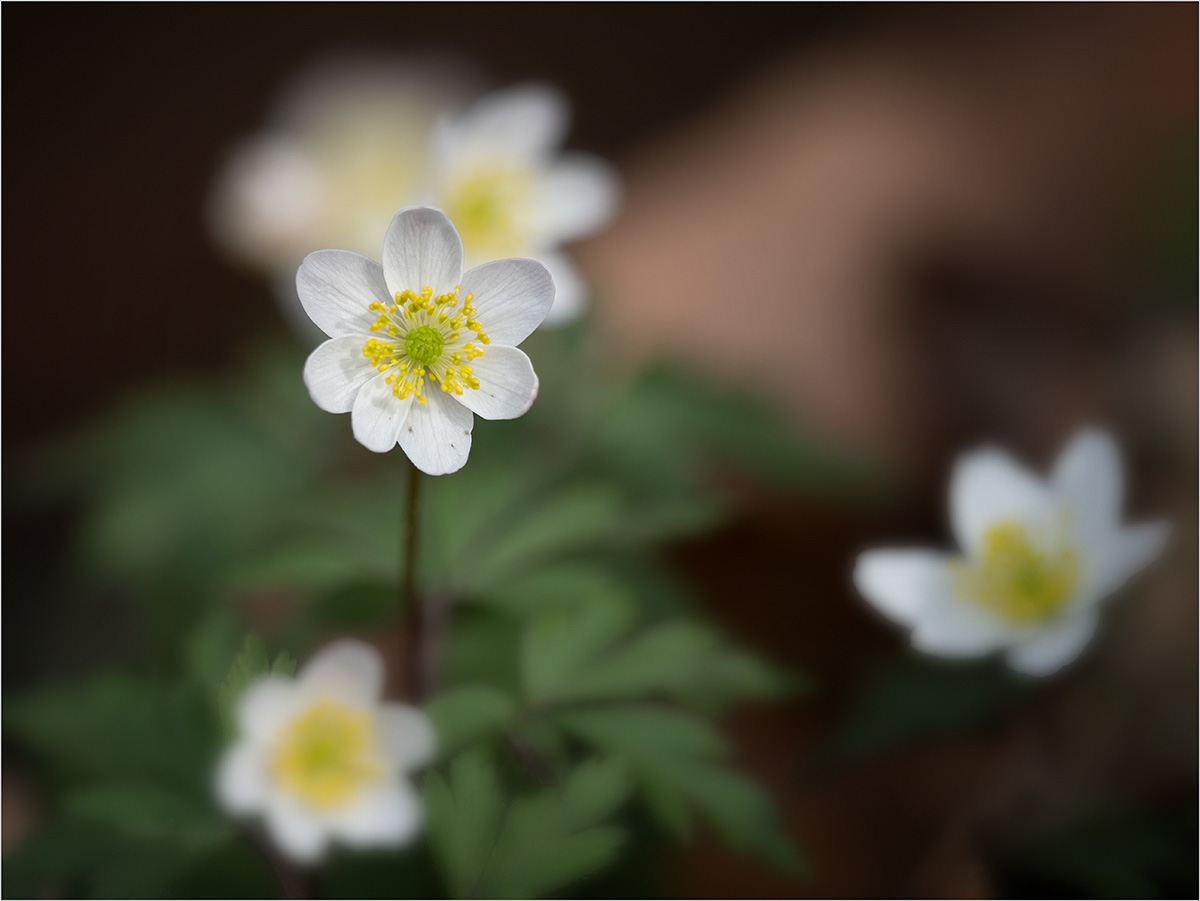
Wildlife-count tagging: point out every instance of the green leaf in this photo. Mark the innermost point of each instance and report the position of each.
(576, 517)
(729, 675)
(565, 638)
(673, 757)
(646, 735)
(532, 846)
(283, 665)
(114, 727)
(741, 813)
(464, 816)
(906, 699)
(467, 714)
(575, 582)
(147, 811)
(665, 659)
(595, 790)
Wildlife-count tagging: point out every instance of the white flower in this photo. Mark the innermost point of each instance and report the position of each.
(321, 757)
(1037, 558)
(500, 176)
(417, 346)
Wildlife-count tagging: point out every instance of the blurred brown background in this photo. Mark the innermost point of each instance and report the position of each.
(955, 223)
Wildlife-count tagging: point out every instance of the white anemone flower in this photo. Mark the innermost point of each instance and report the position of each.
(501, 176)
(417, 346)
(1037, 558)
(322, 758)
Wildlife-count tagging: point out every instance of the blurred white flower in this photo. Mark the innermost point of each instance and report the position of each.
(347, 145)
(354, 140)
(417, 346)
(500, 175)
(321, 757)
(1037, 558)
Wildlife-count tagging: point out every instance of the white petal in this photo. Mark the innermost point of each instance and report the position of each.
(912, 587)
(387, 815)
(902, 584)
(406, 736)
(267, 703)
(296, 830)
(336, 287)
(378, 415)
(422, 250)
(508, 385)
(525, 122)
(335, 372)
(957, 628)
(348, 669)
(1125, 552)
(1087, 482)
(512, 296)
(1054, 648)
(988, 486)
(570, 292)
(578, 196)
(242, 778)
(437, 434)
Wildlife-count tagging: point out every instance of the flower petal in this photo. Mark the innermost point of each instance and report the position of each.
(437, 434)
(912, 587)
(265, 705)
(525, 122)
(1126, 551)
(386, 815)
(955, 628)
(508, 385)
(421, 249)
(570, 292)
(378, 415)
(241, 781)
(336, 287)
(1054, 648)
(512, 296)
(349, 669)
(1087, 480)
(987, 486)
(406, 736)
(296, 830)
(578, 197)
(902, 584)
(335, 372)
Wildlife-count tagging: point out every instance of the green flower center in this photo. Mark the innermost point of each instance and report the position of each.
(424, 344)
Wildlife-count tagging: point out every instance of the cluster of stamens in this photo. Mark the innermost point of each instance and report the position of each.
(426, 331)
(1017, 579)
(327, 755)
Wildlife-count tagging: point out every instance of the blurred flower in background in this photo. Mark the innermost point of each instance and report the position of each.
(1038, 559)
(352, 141)
(321, 757)
(501, 179)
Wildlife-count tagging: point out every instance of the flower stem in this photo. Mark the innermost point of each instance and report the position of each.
(413, 613)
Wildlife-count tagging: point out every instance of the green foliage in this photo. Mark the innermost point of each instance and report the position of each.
(675, 759)
(493, 844)
(467, 714)
(906, 699)
(575, 675)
